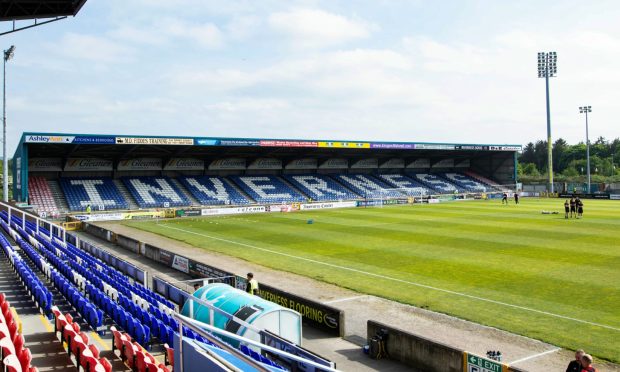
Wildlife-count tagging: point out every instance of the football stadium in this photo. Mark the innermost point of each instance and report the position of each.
(156, 253)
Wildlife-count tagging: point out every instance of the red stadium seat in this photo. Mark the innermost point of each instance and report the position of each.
(12, 363)
(18, 343)
(25, 357)
(129, 351)
(169, 358)
(106, 364)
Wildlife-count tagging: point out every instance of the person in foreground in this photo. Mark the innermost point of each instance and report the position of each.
(575, 364)
(252, 286)
(586, 363)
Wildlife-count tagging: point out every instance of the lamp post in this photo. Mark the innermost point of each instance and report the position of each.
(547, 67)
(8, 54)
(586, 110)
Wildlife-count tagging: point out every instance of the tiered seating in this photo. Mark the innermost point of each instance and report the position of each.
(367, 186)
(411, 187)
(267, 189)
(155, 192)
(213, 190)
(86, 354)
(486, 181)
(14, 356)
(40, 195)
(466, 183)
(134, 355)
(96, 192)
(320, 187)
(435, 183)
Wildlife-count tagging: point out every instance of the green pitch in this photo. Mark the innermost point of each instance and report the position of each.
(474, 255)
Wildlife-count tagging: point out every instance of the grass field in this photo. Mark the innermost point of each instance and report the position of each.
(479, 250)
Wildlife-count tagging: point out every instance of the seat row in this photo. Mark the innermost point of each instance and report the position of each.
(136, 358)
(78, 343)
(14, 356)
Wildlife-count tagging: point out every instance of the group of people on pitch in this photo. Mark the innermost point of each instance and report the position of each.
(582, 363)
(574, 206)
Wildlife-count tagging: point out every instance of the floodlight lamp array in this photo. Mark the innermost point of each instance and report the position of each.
(547, 64)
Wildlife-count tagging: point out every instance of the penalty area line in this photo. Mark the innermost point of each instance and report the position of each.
(420, 285)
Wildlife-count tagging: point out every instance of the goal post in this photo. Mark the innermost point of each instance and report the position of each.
(404, 195)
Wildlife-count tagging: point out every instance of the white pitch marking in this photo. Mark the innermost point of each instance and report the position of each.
(535, 356)
(345, 299)
(399, 280)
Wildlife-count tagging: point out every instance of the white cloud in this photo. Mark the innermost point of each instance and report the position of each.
(315, 27)
(95, 48)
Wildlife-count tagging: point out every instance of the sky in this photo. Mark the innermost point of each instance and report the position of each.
(392, 70)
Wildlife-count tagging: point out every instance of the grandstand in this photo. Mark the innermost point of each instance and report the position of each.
(65, 173)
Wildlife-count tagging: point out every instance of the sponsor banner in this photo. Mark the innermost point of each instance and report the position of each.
(154, 141)
(404, 146)
(284, 143)
(371, 163)
(207, 142)
(85, 164)
(49, 139)
(139, 164)
(345, 145)
(433, 146)
(335, 163)
(314, 313)
(45, 164)
(445, 163)
(463, 164)
(239, 142)
(505, 148)
(227, 164)
(302, 164)
(234, 210)
(188, 212)
(138, 215)
(282, 208)
(393, 163)
(184, 164)
(312, 206)
(92, 140)
(420, 163)
(614, 196)
(266, 163)
(584, 196)
(471, 147)
(180, 263)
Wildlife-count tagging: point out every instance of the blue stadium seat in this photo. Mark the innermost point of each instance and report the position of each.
(267, 189)
(210, 190)
(320, 187)
(96, 192)
(410, 186)
(367, 186)
(155, 192)
(435, 182)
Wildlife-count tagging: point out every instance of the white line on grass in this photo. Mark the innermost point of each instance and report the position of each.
(344, 299)
(397, 280)
(535, 356)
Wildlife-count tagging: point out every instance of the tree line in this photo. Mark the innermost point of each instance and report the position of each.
(569, 161)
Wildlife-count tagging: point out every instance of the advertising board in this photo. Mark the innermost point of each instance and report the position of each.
(315, 313)
(266, 163)
(227, 164)
(139, 164)
(87, 164)
(302, 164)
(584, 196)
(335, 163)
(184, 164)
(404, 146)
(154, 141)
(138, 215)
(234, 210)
(45, 164)
(370, 163)
(344, 145)
(287, 143)
(314, 206)
(188, 212)
(614, 196)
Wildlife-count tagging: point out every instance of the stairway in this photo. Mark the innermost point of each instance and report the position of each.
(126, 194)
(58, 196)
(243, 193)
(194, 202)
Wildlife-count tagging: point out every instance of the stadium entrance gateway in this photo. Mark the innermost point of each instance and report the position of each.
(474, 363)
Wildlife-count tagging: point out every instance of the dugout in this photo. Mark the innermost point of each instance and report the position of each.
(56, 155)
(227, 302)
